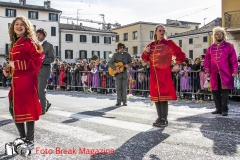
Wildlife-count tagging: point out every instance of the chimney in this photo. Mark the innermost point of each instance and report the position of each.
(47, 4)
(22, 2)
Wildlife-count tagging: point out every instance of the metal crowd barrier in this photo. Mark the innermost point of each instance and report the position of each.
(188, 84)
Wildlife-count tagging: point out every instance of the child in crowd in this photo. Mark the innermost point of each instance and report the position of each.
(207, 87)
(104, 83)
(84, 79)
(95, 77)
(185, 81)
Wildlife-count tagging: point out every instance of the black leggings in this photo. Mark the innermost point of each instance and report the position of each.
(21, 126)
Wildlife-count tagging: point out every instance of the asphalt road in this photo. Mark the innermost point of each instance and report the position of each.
(78, 126)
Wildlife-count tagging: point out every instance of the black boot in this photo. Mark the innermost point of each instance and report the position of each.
(157, 122)
(164, 107)
(159, 112)
(217, 112)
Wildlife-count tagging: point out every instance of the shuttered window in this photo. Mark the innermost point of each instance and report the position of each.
(69, 37)
(32, 15)
(10, 12)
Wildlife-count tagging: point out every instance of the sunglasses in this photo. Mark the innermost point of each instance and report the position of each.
(122, 47)
(219, 34)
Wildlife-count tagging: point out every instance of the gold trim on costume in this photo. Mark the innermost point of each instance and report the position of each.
(18, 65)
(15, 44)
(23, 115)
(24, 118)
(155, 72)
(218, 66)
(21, 65)
(25, 65)
(14, 52)
(161, 99)
(18, 45)
(40, 50)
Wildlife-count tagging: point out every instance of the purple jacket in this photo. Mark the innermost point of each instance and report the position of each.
(221, 58)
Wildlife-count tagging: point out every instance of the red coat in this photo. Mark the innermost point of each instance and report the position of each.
(27, 57)
(104, 81)
(160, 58)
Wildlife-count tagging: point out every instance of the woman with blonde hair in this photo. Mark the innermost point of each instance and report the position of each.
(159, 53)
(25, 59)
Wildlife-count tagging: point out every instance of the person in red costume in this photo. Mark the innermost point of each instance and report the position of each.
(25, 60)
(159, 53)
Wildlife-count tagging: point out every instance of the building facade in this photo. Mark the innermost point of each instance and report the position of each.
(196, 42)
(231, 21)
(82, 42)
(137, 35)
(40, 16)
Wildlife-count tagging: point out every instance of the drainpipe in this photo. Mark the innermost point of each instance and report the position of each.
(60, 43)
(210, 42)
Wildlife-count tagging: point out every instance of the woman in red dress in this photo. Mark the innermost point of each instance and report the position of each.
(62, 77)
(26, 58)
(159, 53)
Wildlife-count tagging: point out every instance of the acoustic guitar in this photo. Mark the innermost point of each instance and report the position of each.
(113, 72)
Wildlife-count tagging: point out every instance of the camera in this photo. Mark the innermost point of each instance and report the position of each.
(18, 146)
(9, 149)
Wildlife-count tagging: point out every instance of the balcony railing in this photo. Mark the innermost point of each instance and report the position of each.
(232, 19)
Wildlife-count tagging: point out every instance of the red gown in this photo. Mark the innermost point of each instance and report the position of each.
(27, 56)
(160, 58)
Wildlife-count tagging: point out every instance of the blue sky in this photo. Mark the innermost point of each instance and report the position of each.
(129, 11)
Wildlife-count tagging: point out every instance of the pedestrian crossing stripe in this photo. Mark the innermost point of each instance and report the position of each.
(103, 121)
(70, 131)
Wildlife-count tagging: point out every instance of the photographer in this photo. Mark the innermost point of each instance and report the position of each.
(4, 77)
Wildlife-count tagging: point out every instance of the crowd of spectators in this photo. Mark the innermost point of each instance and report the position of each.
(192, 80)
(92, 76)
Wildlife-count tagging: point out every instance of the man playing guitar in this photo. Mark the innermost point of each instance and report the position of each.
(121, 77)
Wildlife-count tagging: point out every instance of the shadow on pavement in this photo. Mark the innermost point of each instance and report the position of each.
(5, 122)
(136, 147)
(223, 131)
(97, 113)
